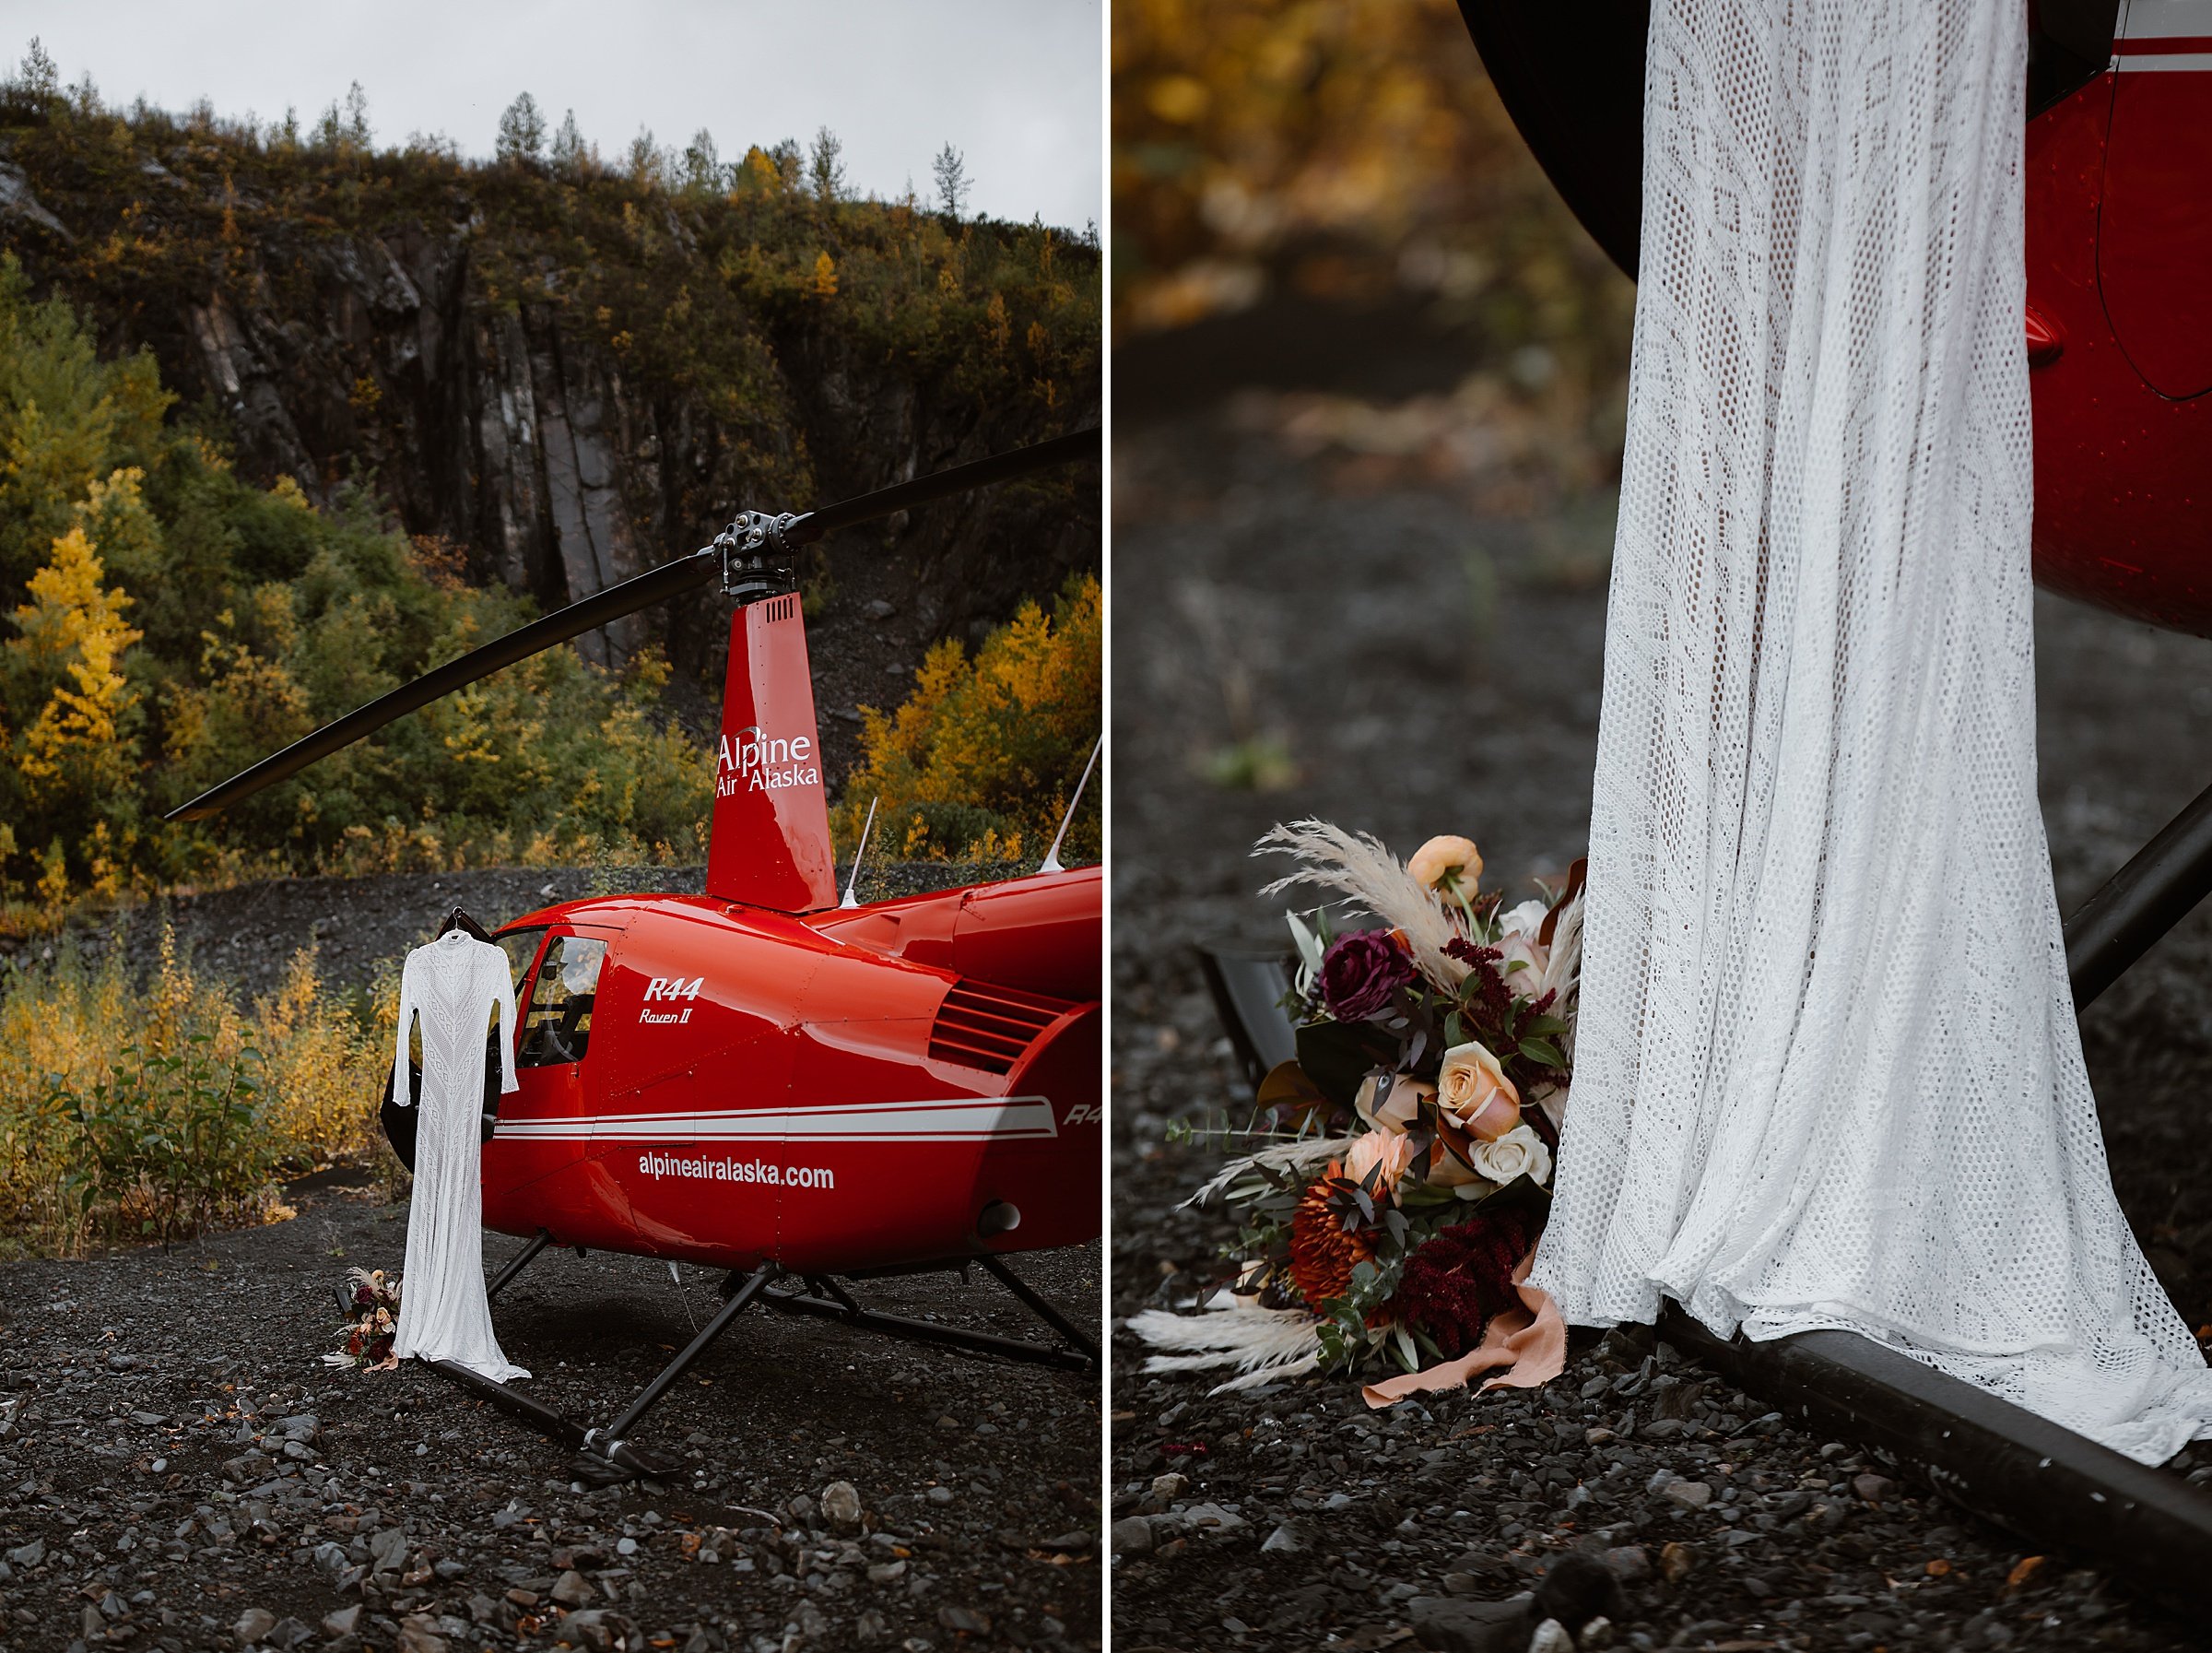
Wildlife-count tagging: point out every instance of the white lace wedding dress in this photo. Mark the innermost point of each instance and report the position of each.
(1828, 1071)
(451, 986)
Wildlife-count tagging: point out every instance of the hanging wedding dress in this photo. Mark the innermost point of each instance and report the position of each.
(451, 986)
(1827, 1066)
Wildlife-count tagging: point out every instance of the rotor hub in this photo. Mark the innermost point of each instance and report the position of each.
(759, 559)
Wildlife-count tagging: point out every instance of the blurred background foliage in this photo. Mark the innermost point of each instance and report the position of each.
(1306, 166)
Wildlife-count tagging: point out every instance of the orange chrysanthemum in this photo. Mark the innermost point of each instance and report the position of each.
(1321, 1255)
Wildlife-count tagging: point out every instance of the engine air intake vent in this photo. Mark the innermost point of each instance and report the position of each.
(988, 1027)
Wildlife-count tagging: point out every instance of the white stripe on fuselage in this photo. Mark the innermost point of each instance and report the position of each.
(956, 1119)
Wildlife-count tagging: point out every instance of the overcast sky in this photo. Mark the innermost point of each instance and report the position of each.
(1014, 84)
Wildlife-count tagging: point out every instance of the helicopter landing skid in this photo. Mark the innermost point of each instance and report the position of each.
(825, 1298)
(607, 1456)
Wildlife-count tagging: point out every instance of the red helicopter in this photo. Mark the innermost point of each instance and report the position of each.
(765, 1078)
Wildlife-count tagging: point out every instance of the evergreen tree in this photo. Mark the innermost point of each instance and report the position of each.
(568, 145)
(521, 137)
(951, 173)
(825, 167)
(790, 161)
(42, 81)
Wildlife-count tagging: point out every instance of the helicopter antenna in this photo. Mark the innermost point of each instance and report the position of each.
(1052, 856)
(853, 881)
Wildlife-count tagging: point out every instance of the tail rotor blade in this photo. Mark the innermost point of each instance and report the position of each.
(645, 589)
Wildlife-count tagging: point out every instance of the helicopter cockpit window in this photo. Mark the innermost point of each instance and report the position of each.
(521, 947)
(557, 1027)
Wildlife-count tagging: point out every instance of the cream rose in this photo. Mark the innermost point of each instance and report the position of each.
(1450, 858)
(1473, 1088)
(1519, 1152)
(1517, 939)
(1397, 1106)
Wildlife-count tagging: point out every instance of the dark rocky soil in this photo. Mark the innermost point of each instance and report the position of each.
(1422, 670)
(180, 1470)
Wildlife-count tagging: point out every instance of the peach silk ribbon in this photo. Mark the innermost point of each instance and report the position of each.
(1529, 1342)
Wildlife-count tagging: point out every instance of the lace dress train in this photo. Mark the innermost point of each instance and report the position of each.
(1828, 1071)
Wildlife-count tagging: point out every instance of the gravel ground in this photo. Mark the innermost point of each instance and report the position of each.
(179, 1469)
(1418, 668)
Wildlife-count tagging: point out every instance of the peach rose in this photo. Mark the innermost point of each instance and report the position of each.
(1473, 1087)
(1397, 1106)
(1448, 861)
(1391, 1150)
(1447, 1169)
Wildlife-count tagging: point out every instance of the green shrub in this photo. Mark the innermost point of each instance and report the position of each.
(167, 1144)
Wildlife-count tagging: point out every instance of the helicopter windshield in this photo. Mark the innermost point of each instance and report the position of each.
(557, 1027)
(521, 947)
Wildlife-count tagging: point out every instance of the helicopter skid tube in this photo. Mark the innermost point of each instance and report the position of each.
(2037, 1479)
(825, 1300)
(513, 1402)
(2159, 886)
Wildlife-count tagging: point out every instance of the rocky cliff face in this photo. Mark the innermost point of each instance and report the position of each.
(400, 351)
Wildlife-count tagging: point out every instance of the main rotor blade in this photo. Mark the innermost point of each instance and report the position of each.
(612, 604)
(615, 601)
(979, 473)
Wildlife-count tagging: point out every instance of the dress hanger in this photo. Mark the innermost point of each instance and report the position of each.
(458, 919)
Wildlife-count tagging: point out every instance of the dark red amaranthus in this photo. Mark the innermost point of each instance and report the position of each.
(1455, 1282)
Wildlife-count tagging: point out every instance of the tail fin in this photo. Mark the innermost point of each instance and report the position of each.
(770, 844)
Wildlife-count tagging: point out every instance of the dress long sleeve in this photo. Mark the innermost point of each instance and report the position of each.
(399, 1053)
(507, 1080)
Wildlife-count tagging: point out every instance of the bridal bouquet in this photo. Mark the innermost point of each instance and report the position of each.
(1402, 1166)
(372, 1316)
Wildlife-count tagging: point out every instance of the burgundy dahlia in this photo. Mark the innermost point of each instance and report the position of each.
(1361, 974)
(1457, 1281)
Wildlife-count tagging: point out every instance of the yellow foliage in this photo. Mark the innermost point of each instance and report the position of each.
(65, 1023)
(74, 745)
(824, 285)
(997, 324)
(981, 761)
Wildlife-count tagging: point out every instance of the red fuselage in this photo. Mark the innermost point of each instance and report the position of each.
(2120, 325)
(912, 1082)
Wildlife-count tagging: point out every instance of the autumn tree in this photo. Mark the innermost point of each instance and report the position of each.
(521, 137)
(951, 173)
(824, 285)
(76, 755)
